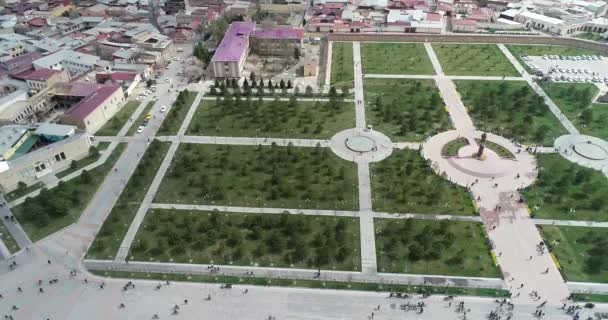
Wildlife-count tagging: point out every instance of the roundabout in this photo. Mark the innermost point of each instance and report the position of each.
(466, 169)
(587, 151)
(361, 145)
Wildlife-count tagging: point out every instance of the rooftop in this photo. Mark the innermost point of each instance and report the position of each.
(37, 75)
(87, 105)
(279, 33)
(235, 41)
(65, 55)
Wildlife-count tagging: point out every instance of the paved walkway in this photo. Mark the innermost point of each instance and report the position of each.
(304, 99)
(406, 145)
(359, 93)
(14, 228)
(244, 141)
(299, 274)
(552, 106)
(511, 231)
(432, 77)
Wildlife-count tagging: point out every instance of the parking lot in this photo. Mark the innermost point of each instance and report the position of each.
(570, 68)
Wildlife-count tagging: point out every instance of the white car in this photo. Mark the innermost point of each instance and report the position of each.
(140, 129)
(163, 108)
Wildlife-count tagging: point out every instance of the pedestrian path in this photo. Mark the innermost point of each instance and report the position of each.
(406, 145)
(297, 274)
(312, 212)
(552, 106)
(303, 99)
(571, 223)
(245, 141)
(434, 60)
(4, 252)
(432, 77)
(359, 93)
(13, 227)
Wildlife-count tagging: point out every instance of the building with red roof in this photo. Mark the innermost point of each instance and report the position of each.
(94, 104)
(38, 80)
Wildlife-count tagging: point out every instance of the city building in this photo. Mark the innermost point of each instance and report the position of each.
(281, 42)
(229, 57)
(29, 152)
(74, 62)
(41, 79)
(90, 105)
(241, 37)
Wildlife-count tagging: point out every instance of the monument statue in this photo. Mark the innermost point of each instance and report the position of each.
(482, 145)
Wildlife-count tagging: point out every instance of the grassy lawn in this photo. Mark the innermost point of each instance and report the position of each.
(454, 248)
(177, 113)
(451, 148)
(405, 109)
(265, 240)
(342, 66)
(8, 239)
(500, 150)
(590, 297)
(112, 127)
(574, 100)
(315, 284)
(405, 183)
(93, 156)
(102, 145)
(107, 241)
(511, 109)
(473, 60)
(57, 208)
(281, 119)
(562, 186)
(581, 251)
(260, 176)
(590, 36)
(141, 118)
(395, 58)
(538, 50)
(18, 193)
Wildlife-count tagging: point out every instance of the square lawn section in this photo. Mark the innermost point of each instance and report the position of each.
(342, 66)
(405, 183)
(511, 109)
(56, 208)
(538, 50)
(395, 58)
(112, 127)
(260, 176)
(473, 60)
(265, 240)
(275, 119)
(562, 185)
(454, 248)
(580, 251)
(114, 228)
(405, 109)
(574, 100)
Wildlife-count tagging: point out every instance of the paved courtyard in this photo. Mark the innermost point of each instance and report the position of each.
(531, 276)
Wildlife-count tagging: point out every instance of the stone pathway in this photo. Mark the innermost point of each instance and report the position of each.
(359, 93)
(298, 274)
(511, 231)
(433, 77)
(244, 141)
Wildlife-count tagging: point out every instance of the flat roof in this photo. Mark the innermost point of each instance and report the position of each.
(235, 42)
(10, 134)
(541, 17)
(279, 33)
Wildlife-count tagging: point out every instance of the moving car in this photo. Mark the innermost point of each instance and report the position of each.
(163, 108)
(140, 129)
